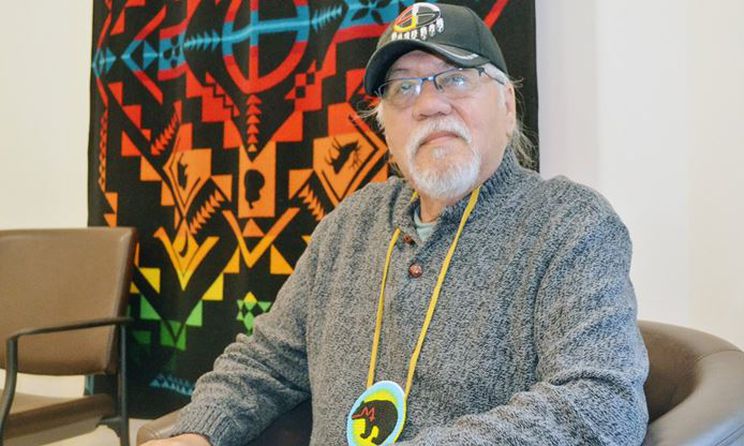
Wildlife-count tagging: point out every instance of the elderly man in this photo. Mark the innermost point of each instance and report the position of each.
(469, 302)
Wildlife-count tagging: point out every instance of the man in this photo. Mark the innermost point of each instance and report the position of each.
(468, 303)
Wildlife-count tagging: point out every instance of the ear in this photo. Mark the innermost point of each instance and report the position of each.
(510, 103)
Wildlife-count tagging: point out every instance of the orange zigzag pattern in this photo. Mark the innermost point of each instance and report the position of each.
(102, 141)
(217, 105)
(205, 212)
(312, 202)
(167, 135)
(225, 101)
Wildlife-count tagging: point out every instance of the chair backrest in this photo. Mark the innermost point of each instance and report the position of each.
(55, 276)
(695, 387)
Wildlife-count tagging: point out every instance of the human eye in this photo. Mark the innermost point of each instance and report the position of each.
(402, 87)
(456, 79)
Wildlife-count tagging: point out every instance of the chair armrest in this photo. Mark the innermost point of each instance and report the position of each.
(11, 354)
(76, 325)
(11, 350)
(713, 413)
(290, 429)
(158, 428)
(11, 345)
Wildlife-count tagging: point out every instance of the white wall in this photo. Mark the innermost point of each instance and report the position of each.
(44, 74)
(643, 100)
(716, 42)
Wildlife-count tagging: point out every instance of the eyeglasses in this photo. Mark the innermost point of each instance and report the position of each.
(455, 83)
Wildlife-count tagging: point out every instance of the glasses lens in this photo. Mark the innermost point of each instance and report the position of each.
(457, 82)
(401, 91)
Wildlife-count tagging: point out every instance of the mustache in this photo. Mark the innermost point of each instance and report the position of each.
(429, 127)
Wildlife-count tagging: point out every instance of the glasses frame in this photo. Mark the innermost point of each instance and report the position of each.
(433, 79)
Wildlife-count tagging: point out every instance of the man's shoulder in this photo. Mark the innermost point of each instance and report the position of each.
(563, 206)
(559, 211)
(563, 193)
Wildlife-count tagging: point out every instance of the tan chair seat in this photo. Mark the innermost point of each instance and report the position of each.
(49, 412)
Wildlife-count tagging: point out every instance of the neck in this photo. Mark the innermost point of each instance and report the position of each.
(432, 207)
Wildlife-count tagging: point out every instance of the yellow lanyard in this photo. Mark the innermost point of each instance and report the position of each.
(432, 301)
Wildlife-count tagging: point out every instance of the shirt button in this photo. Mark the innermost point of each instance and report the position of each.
(415, 270)
(407, 239)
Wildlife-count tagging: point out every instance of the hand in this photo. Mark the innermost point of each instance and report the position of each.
(181, 440)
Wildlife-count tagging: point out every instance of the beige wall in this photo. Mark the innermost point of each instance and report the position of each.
(644, 101)
(44, 74)
(716, 186)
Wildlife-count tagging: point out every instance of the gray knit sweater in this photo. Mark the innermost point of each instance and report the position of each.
(534, 339)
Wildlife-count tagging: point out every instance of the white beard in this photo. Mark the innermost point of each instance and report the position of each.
(443, 182)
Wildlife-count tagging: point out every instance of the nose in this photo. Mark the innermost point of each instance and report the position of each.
(431, 102)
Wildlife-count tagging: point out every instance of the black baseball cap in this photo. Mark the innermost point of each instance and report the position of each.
(455, 33)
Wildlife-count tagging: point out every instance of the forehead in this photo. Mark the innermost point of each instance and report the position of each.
(418, 61)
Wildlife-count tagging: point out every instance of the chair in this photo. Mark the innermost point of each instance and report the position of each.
(694, 393)
(63, 293)
(291, 429)
(695, 387)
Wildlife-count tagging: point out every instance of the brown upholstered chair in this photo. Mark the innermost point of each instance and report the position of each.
(291, 429)
(695, 387)
(62, 295)
(694, 392)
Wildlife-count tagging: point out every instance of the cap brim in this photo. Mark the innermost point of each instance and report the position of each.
(383, 58)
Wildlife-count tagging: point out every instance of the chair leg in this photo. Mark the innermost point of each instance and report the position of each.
(119, 423)
(121, 394)
(124, 432)
(11, 373)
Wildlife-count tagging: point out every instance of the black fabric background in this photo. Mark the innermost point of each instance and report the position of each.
(205, 157)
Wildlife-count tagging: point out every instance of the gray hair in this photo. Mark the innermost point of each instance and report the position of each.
(519, 141)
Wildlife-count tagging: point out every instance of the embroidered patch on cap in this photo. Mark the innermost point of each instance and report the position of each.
(419, 21)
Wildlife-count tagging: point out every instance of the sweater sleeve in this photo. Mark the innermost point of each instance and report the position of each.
(591, 360)
(257, 377)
